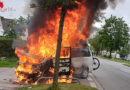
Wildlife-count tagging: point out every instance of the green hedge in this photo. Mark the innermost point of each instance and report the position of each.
(6, 47)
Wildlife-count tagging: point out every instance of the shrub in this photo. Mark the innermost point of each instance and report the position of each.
(6, 47)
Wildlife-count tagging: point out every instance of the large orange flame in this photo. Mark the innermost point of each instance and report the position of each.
(43, 42)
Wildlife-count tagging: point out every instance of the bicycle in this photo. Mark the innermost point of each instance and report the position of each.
(96, 63)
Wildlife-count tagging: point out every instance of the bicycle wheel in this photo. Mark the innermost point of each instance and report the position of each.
(96, 63)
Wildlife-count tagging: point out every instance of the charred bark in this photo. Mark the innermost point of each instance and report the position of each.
(59, 41)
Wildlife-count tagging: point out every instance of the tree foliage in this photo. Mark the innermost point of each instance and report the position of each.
(10, 33)
(54, 4)
(23, 20)
(114, 34)
(6, 47)
(95, 45)
(125, 50)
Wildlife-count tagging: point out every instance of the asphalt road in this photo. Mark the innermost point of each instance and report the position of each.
(112, 75)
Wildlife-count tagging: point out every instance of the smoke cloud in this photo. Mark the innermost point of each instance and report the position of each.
(94, 8)
(114, 3)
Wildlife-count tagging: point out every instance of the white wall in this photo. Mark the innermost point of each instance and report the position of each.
(1, 29)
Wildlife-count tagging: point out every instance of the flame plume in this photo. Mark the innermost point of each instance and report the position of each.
(42, 39)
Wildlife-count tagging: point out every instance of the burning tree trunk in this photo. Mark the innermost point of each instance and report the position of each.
(59, 41)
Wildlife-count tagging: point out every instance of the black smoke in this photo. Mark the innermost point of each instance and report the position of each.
(94, 8)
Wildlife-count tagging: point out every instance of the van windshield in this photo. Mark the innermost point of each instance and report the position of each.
(80, 52)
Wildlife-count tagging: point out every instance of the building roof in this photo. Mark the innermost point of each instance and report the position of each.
(4, 22)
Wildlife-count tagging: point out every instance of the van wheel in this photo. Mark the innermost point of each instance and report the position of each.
(85, 72)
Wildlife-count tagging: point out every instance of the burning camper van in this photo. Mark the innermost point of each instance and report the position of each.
(37, 55)
(74, 62)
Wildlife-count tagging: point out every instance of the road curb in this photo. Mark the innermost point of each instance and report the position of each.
(94, 83)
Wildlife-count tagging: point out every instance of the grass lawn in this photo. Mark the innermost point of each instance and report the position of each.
(126, 63)
(9, 62)
(61, 86)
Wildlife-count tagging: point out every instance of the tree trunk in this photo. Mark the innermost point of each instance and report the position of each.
(56, 70)
(115, 54)
(96, 53)
(110, 54)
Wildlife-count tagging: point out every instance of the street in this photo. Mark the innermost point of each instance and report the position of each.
(113, 75)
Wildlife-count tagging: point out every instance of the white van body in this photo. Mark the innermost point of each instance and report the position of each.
(82, 65)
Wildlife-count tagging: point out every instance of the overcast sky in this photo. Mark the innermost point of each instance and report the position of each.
(122, 10)
(16, 8)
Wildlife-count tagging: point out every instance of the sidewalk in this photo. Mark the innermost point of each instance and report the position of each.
(5, 75)
(91, 81)
(8, 73)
